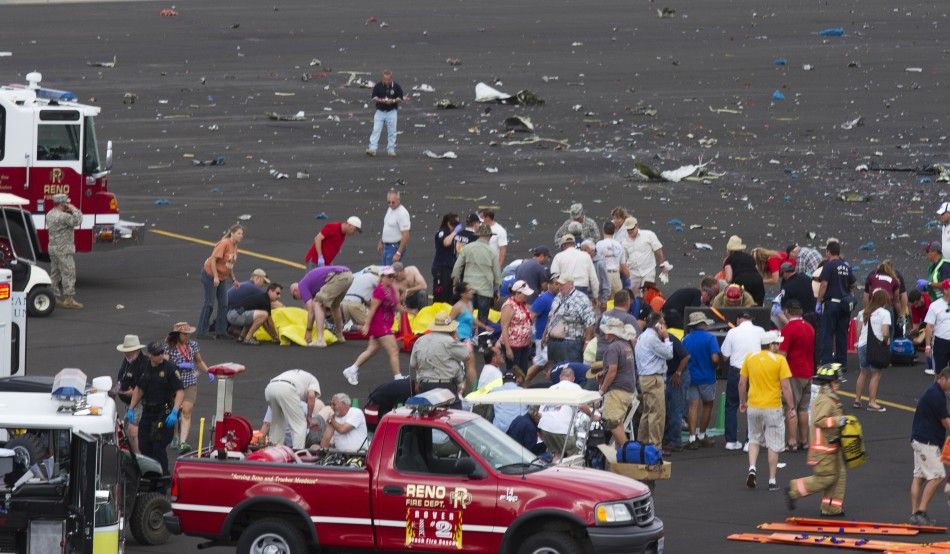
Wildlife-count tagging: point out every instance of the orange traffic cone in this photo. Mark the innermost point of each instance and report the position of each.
(405, 336)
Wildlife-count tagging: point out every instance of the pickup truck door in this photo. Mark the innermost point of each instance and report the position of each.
(427, 497)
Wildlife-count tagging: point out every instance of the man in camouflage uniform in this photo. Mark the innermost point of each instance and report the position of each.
(824, 452)
(60, 222)
(589, 229)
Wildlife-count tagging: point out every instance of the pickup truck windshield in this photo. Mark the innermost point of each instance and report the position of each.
(497, 448)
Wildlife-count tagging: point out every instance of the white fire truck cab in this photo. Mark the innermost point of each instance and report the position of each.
(48, 146)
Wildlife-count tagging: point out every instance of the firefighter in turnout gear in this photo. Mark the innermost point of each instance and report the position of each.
(824, 452)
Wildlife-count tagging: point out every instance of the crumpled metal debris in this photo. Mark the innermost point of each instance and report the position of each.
(449, 155)
(666, 13)
(424, 88)
(299, 116)
(104, 64)
(696, 172)
(449, 104)
(519, 124)
(851, 124)
(853, 196)
(485, 93)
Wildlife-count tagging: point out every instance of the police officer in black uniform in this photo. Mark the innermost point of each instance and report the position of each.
(160, 393)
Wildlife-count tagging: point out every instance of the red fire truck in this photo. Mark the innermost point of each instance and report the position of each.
(48, 146)
(432, 480)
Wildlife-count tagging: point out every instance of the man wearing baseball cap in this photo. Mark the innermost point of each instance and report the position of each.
(943, 215)
(477, 264)
(328, 242)
(937, 333)
(589, 230)
(766, 374)
(60, 222)
(938, 270)
(532, 271)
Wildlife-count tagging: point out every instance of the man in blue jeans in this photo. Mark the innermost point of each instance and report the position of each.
(837, 282)
(387, 94)
(677, 383)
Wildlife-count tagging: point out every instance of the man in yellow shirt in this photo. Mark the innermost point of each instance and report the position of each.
(766, 374)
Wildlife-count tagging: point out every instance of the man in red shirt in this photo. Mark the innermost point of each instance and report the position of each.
(328, 242)
(798, 346)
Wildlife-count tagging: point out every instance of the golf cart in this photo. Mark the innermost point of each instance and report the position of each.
(18, 252)
(580, 422)
(66, 483)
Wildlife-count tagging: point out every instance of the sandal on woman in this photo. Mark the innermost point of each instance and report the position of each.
(876, 408)
(792, 447)
(856, 405)
(251, 340)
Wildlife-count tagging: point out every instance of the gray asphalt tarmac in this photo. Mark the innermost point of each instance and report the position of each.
(204, 80)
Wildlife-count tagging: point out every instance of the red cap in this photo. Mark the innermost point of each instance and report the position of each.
(945, 284)
(734, 292)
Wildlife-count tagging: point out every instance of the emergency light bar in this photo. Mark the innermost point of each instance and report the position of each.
(430, 400)
(56, 95)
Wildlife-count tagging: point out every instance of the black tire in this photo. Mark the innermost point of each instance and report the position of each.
(147, 522)
(27, 448)
(271, 532)
(547, 542)
(40, 302)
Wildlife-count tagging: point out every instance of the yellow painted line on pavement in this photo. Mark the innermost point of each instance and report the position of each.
(904, 407)
(242, 251)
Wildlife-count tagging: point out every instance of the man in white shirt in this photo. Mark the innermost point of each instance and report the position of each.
(284, 394)
(937, 333)
(346, 430)
(615, 258)
(499, 238)
(491, 371)
(555, 423)
(644, 253)
(741, 340)
(395, 238)
(577, 264)
(943, 214)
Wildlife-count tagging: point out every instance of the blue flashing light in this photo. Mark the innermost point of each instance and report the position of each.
(57, 95)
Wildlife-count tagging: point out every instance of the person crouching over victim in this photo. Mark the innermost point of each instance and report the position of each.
(824, 452)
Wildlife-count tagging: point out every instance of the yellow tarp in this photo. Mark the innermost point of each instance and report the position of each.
(291, 324)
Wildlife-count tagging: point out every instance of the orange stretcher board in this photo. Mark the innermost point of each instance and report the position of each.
(850, 543)
(840, 523)
(839, 529)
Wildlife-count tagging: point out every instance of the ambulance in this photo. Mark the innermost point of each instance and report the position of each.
(48, 146)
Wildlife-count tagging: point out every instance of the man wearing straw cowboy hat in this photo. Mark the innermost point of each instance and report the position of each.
(704, 356)
(618, 382)
(437, 358)
(133, 363)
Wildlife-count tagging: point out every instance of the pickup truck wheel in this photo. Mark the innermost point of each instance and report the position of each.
(271, 536)
(148, 519)
(550, 543)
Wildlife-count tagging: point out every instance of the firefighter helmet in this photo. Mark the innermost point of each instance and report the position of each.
(828, 372)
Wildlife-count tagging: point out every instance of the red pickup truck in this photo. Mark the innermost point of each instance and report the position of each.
(431, 481)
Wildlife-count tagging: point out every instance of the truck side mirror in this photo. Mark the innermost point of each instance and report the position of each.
(108, 155)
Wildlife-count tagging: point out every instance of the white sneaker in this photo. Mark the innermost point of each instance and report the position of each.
(352, 375)
(398, 377)
(734, 445)
(929, 371)
(745, 447)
